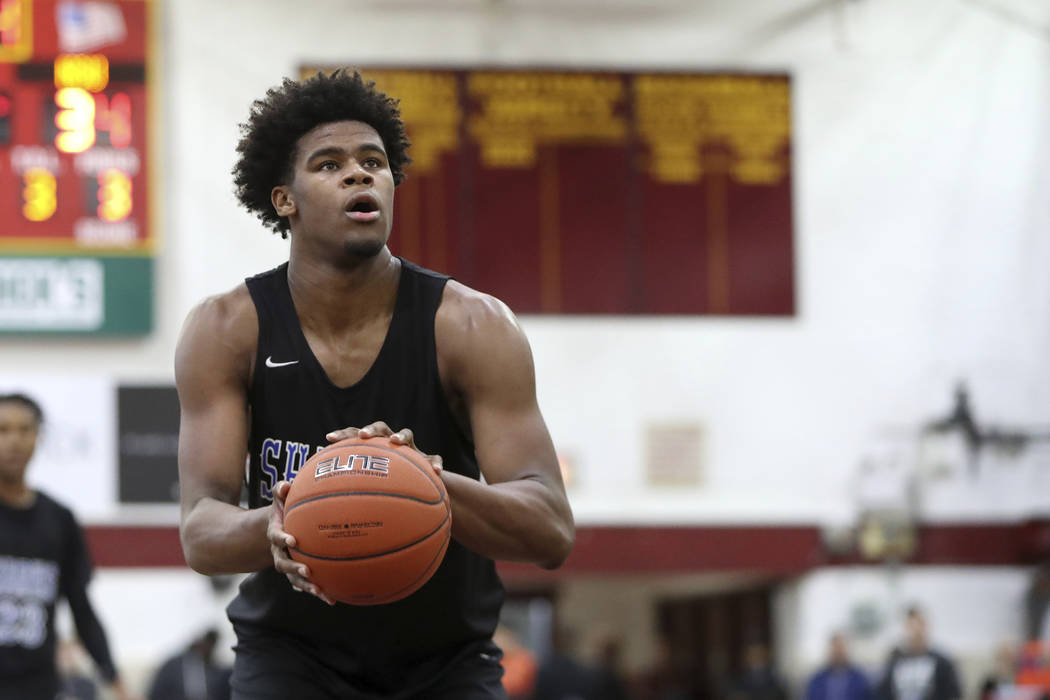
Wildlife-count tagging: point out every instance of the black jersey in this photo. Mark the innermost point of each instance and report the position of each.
(383, 648)
(42, 557)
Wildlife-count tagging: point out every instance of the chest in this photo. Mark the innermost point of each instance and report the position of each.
(31, 537)
(346, 359)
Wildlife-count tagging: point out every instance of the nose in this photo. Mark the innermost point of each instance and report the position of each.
(357, 176)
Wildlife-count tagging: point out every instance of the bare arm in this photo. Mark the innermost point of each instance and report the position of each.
(521, 513)
(212, 367)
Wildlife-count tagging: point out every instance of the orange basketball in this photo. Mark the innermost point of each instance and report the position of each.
(372, 520)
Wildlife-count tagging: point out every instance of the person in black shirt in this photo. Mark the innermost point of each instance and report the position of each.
(346, 340)
(42, 557)
(917, 672)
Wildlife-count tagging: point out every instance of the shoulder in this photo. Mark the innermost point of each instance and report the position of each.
(231, 313)
(941, 658)
(55, 509)
(467, 310)
(222, 329)
(478, 337)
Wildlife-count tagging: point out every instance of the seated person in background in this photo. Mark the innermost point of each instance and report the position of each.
(840, 679)
(193, 674)
(758, 680)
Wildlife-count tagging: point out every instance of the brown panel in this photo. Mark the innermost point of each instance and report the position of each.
(593, 192)
(674, 257)
(610, 550)
(507, 222)
(134, 546)
(595, 220)
(760, 258)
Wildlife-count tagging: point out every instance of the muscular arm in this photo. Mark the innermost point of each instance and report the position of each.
(212, 367)
(521, 512)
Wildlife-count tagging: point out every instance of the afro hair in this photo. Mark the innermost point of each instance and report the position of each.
(277, 122)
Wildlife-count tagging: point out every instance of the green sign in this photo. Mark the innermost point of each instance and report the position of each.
(76, 295)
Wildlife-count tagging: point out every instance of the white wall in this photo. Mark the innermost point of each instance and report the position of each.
(921, 225)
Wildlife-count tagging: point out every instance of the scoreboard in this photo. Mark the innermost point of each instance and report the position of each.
(76, 245)
(567, 191)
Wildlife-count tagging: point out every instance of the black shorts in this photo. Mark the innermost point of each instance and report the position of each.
(278, 672)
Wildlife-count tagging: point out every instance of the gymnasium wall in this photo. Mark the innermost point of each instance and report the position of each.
(919, 134)
(919, 152)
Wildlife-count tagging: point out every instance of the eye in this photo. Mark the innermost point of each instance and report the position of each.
(373, 163)
(328, 165)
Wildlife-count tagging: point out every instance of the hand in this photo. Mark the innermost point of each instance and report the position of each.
(298, 573)
(381, 429)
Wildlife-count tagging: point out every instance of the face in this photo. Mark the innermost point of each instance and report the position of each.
(342, 191)
(916, 630)
(839, 653)
(18, 433)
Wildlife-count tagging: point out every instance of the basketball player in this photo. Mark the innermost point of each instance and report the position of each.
(345, 339)
(42, 557)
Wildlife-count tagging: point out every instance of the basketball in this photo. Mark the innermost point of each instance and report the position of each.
(372, 520)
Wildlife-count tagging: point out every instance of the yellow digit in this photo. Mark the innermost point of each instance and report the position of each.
(76, 120)
(39, 194)
(114, 195)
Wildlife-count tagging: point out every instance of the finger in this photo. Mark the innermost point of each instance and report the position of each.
(304, 586)
(281, 540)
(377, 429)
(280, 491)
(292, 568)
(437, 462)
(344, 434)
(403, 437)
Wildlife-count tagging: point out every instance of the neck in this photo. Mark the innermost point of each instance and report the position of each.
(15, 493)
(340, 294)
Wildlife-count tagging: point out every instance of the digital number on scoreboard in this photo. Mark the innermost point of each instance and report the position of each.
(73, 167)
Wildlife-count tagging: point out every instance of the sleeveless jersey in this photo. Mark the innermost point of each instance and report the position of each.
(382, 648)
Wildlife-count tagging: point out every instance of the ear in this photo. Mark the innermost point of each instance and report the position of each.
(283, 204)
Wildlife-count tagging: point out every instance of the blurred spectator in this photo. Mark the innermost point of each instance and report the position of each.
(609, 679)
(663, 680)
(1002, 678)
(193, 674)
(916, 672)
(76, 683)
(562, 677)
(840, 679)
(758, 680)
(43, 556)
(519, 665)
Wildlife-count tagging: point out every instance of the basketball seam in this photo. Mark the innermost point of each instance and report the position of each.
(318, 497)
(425, 537)
(429, 571)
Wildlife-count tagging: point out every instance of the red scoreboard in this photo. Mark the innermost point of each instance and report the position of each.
(76, 243)
(571, 191)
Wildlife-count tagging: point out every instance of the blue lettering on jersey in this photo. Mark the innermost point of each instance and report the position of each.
(295, 457)
(271, 453)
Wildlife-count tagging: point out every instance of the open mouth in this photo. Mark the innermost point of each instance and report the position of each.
(363, 207)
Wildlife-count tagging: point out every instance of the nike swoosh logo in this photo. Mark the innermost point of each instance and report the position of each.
(271, 363)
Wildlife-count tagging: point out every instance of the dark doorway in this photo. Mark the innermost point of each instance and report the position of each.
(708, 637)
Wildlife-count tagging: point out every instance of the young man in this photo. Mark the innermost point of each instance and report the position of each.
(915, 671)
(42, 556)
(345, 339)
